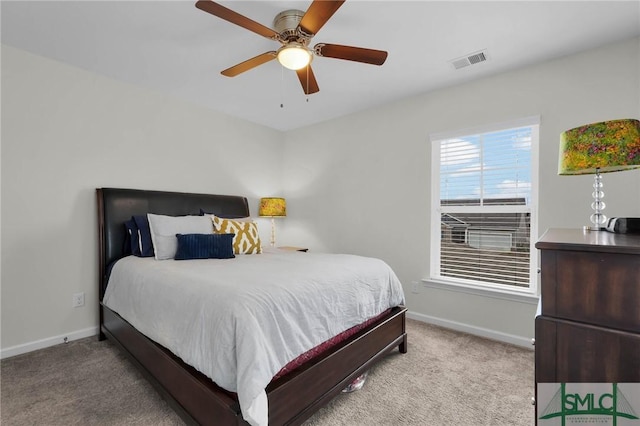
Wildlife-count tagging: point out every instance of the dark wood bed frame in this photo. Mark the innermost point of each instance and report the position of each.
(292, 398)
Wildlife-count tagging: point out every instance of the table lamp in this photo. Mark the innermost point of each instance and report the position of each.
(272, 207)
(607, 146)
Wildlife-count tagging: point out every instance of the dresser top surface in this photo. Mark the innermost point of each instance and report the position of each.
(582, 240)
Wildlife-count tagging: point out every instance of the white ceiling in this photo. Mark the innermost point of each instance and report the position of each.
(174, 48)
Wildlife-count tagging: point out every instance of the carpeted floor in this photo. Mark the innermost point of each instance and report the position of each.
(446, 378)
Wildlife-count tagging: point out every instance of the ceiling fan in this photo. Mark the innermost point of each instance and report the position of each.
(294, 30)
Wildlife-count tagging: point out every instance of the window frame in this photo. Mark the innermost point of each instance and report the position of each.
(436, 209)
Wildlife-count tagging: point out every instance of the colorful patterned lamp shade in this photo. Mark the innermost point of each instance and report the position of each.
(608, 146)
(272, 207)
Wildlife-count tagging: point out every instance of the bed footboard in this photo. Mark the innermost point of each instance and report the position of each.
(296, 396)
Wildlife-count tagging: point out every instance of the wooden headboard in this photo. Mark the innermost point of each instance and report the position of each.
(115, 206)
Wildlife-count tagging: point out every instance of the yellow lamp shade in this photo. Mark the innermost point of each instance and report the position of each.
(272, 207)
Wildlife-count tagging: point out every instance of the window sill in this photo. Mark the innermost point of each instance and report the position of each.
(515, 296)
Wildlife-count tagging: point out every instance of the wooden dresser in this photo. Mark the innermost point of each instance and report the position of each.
(588, 325)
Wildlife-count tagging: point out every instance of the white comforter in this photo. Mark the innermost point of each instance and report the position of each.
(239, 321)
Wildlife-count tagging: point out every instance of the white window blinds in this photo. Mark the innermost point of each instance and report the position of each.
(483, 207)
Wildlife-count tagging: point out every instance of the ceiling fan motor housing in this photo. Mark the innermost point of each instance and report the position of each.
(286, 24)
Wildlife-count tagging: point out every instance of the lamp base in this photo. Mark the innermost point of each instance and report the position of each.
(273, 232)
(598, 219)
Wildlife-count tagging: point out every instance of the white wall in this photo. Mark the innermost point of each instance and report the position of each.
(66, 132)
(361, 183)
(358, 184)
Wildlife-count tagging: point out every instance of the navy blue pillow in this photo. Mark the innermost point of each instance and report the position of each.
(204, 246)
(131, 241)
(146, 245)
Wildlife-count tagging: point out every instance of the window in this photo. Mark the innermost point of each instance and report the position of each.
(483, 206)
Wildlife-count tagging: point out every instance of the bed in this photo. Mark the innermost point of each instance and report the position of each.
(292, 397)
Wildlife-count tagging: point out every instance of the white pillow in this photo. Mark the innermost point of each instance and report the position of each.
(164, 229)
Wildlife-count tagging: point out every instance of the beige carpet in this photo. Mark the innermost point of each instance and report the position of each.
(446, 378)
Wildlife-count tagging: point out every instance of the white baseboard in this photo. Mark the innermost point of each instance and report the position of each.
(524, 342)
(45, 343)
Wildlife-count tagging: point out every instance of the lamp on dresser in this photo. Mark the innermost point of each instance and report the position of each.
(272, 207)
(607, 146)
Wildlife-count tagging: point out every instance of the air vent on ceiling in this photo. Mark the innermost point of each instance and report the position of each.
(470, 59)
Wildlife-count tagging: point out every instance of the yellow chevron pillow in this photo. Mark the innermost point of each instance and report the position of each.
(246, 241)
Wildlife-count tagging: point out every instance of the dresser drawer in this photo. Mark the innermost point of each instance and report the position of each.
(577, 353)
(592, 287)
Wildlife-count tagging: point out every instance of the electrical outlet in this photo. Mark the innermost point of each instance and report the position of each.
(78, 300)
(415, 287)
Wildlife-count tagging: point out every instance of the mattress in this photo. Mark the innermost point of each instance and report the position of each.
(240, 321)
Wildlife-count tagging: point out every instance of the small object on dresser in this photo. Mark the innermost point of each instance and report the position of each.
(290, 248)
(624, 225)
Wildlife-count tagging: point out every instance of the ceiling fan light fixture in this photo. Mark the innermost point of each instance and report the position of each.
(294, 56)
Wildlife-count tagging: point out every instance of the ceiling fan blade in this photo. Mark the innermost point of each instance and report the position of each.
(349, 53)
(235, 18)
(308, 80)
(249, 64)
(318, 14)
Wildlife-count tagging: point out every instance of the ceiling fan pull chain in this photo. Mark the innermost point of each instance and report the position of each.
(307, 91)
(281, 87)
